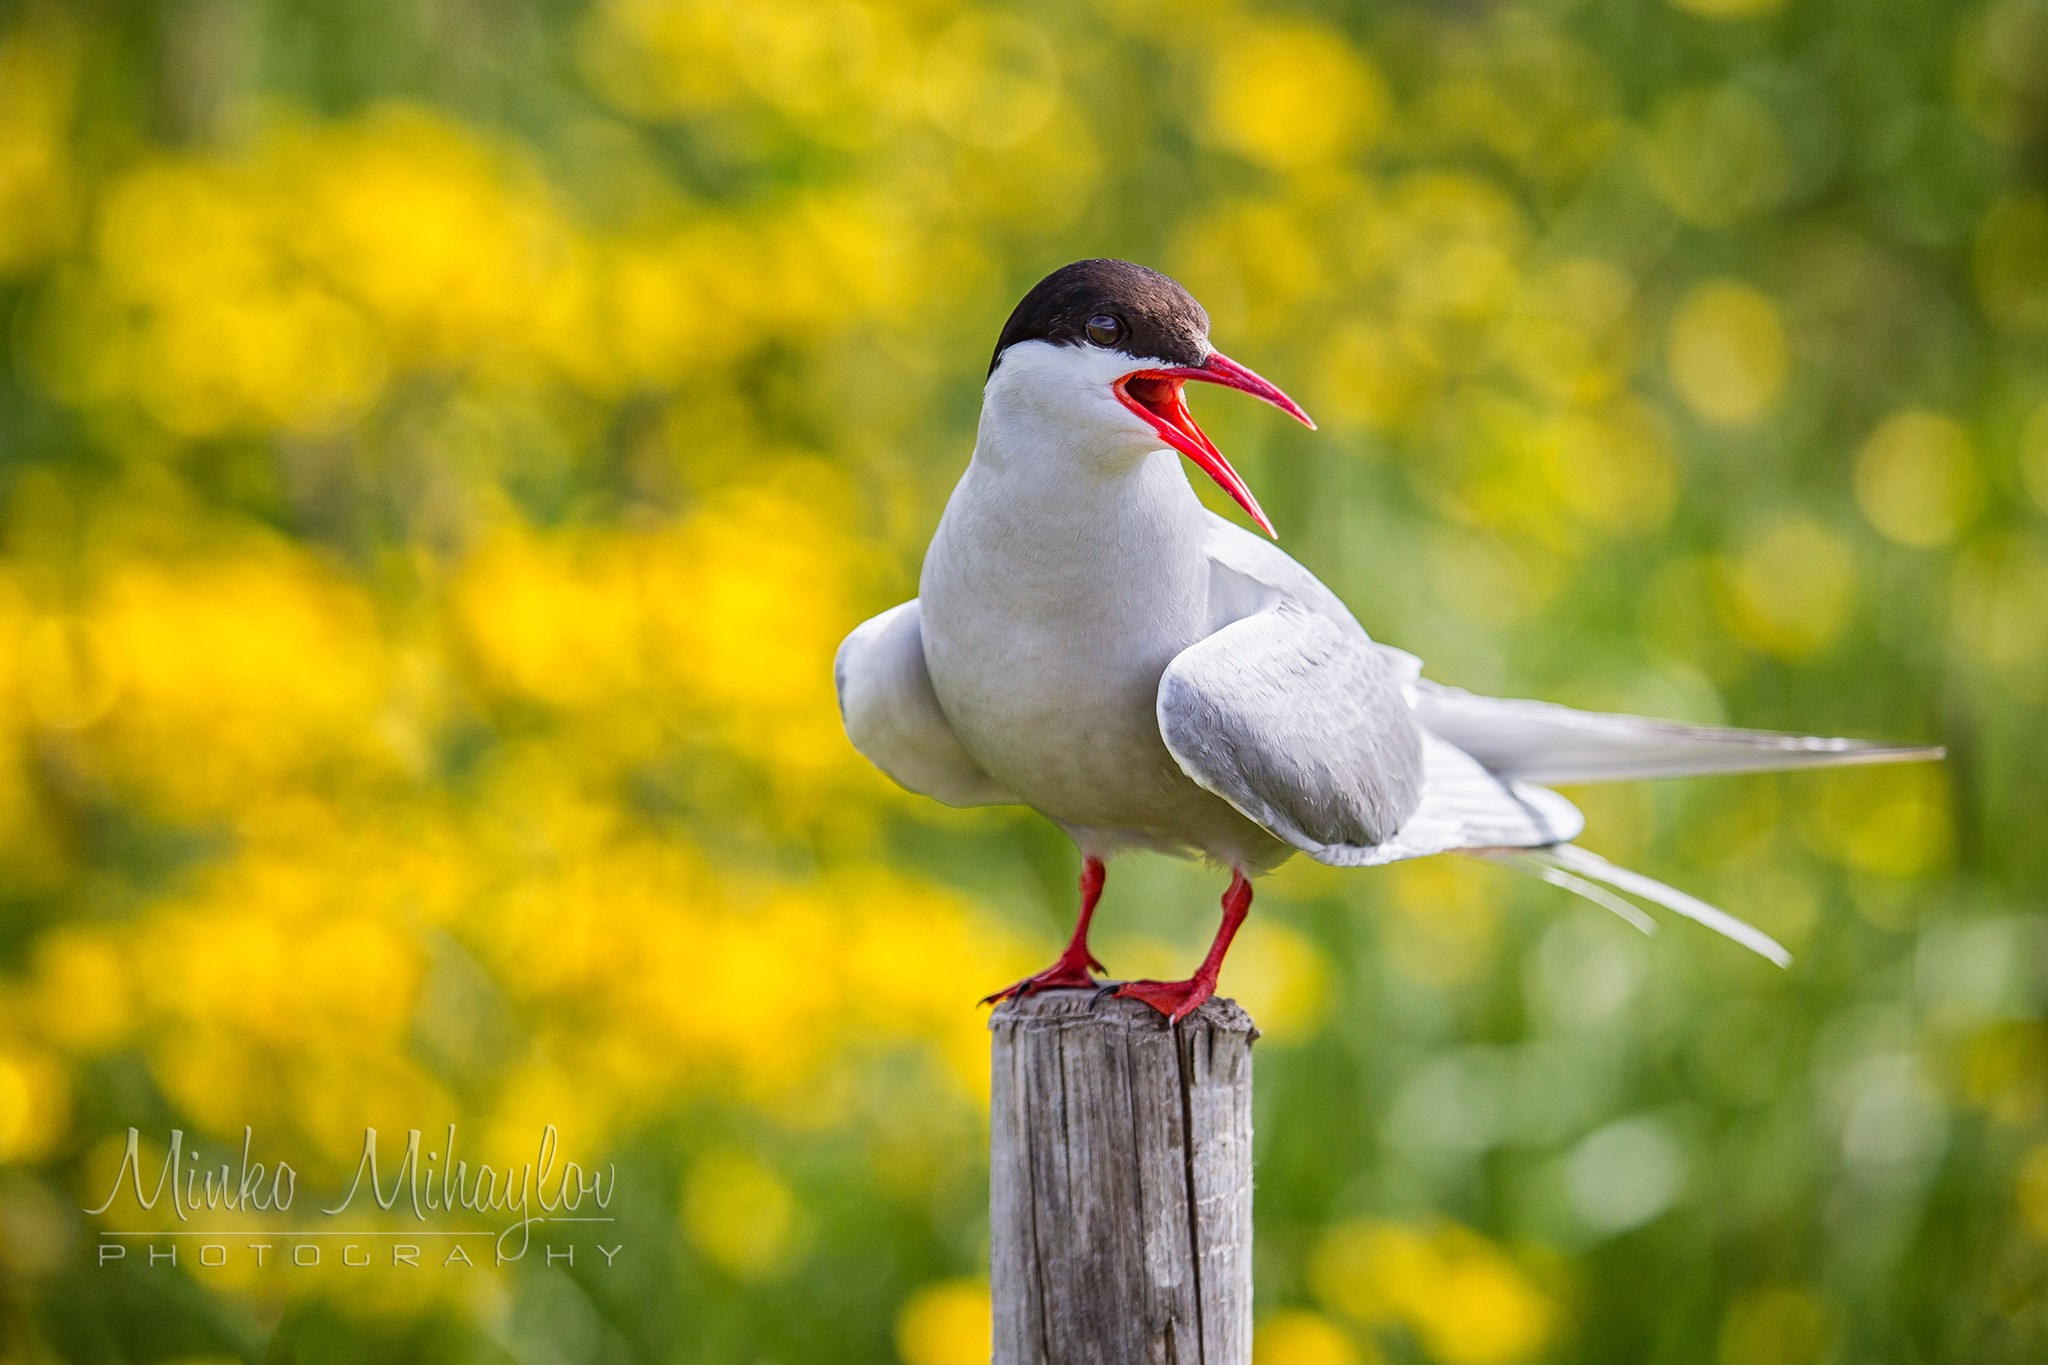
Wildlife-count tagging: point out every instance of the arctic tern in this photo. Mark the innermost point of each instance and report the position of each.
(1090, 641)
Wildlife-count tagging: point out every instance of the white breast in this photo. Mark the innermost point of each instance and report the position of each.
(1051, 606)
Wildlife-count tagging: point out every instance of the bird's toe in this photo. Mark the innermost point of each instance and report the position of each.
(1174, 999)
(1062, 975)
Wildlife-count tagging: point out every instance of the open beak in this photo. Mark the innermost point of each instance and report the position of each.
(1155, 395)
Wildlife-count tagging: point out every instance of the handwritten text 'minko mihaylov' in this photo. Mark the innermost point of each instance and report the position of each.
(425, 1181)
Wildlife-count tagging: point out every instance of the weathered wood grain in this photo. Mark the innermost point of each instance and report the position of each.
(1120, 1183)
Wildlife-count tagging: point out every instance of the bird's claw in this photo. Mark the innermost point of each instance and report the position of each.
(1066, 974)
(1174, 999)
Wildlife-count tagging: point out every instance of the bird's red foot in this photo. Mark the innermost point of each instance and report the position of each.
(1178, 999)
(1174, 999)
(1069, 973)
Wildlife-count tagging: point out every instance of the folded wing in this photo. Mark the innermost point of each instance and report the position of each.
(893, 718)
(1298, 722)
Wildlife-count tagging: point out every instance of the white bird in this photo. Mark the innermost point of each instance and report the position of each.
(1090, 641)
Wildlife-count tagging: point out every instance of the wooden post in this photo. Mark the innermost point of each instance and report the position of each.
(1120, 1183)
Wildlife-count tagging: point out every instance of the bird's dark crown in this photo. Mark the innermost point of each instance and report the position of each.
(1158, 319)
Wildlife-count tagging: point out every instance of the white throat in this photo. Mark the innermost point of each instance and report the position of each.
(1068, 482)
(1055, 408)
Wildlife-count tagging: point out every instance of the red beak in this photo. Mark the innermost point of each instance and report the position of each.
(1155, 395)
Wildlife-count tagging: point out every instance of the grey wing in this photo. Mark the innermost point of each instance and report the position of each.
(892, 715)
(1464, 809)
(1291, 713)
(1296, 720)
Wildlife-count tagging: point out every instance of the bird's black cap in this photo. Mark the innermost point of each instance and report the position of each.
(1155, 317)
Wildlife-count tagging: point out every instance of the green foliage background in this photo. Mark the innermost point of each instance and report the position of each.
(441, 445)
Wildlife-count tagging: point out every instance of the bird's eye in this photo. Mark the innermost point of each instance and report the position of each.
(1105, 329)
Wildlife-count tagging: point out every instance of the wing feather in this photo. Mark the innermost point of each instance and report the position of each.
(1542, 742)
(1464, 808)
(1298, 722)
(893, 717)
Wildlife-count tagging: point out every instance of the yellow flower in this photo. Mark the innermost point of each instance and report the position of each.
(1464, 1299)
(1451, 245)
(557, 620)
(1730, 9)
(1258, 264)
(1893, 821)
(1293, 96)
(1570, 333)
(1446, 921)
(35, 1102)
(38, 73)
(1283, 978)
(1300, 1337)
(202, 312)
(236, 673)
(1790, 588)
(1610, 469)
(1376, 376)
(1775, 1325)
(1995, 594)
(1727, 352)
(1715, 156)
(446, 241)
(81, 984)
(990, 80)
(845, 71)
(2005, 1068)
(945, 1323)
(69, 676)
(740, 1214)
(1916, 478)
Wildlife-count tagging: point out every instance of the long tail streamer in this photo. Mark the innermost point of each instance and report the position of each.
(1589, 875)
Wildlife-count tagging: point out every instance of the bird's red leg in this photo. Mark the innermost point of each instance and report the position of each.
(1178, 999)
(1071, 969)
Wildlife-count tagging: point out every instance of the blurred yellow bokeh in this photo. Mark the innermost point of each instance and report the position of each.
(1916, 478)
(1789, 589)
(1716, 157)
(1299, 1337)
(1775, 1325)
(740, 1214)
(1729, 9)
(1293, 96)
(945, 1324)
(1727, 352)
(1464, 1299)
